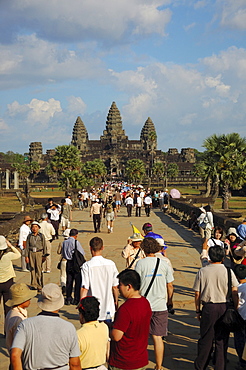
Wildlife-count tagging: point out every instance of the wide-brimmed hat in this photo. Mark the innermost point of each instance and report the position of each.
(51, 298)
(3, 243)
(20, 293)
(36, 223)
(136, 237)
(231, 231)
(27, 218)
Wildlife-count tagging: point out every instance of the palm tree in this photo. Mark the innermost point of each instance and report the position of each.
(95, 169)
(158, 171)
(226, 155)
(171, 170)
(66, 158)
(135, 170)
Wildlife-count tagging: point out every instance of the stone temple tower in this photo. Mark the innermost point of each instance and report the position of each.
(148, 135)
(80, 135)
(35, 152)
(114, 135)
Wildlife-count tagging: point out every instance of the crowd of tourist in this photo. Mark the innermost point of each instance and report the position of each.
(113, 334)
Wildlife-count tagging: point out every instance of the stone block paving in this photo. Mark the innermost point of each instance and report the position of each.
(183, 250)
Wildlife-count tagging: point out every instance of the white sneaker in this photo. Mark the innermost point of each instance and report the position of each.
(111, 230)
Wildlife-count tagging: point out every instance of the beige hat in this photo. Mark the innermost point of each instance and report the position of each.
(36, 223)
(20, 293)
(136, 237)
(3, 243)
(51, 298)
(27, 218)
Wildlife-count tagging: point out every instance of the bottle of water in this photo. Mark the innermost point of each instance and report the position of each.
(108, 318)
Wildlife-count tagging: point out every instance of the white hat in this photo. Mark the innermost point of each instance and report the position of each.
(36, 223)
(136, 237)
(66, 233)
(51, 298)
(3, 244)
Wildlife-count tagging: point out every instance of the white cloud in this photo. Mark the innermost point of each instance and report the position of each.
(200, 4)
(107, 21)
(76, 104)
(232, 13)
(37, 111)
(3, 125)
(189, 26)
(31, 60)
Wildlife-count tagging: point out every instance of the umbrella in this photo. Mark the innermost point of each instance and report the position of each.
(175, 194)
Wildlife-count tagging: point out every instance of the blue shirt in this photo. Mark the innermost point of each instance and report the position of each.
(157, 237)
(68, 248)
(241, 229)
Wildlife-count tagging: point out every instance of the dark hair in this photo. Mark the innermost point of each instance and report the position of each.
(207, 208)
(219, 229)
(89, 308)
(150, 245)
(50, 200)
(240, 271)
(96, 244)
(216, 253)
(129, 276)
(63, 201)
(73, 232)
(147, 226)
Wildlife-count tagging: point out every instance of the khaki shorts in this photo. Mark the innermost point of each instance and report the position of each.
(110, 216)
(65, 222)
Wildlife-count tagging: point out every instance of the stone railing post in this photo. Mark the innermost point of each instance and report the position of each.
(7, 179)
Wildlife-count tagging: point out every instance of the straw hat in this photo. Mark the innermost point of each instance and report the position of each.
(3, 243)
(51, 298)
(136, 237)
(20, 293)
(27, 218)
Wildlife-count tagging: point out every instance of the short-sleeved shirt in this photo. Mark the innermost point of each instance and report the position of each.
(132, 318)
(157, 295)
(241, 229)
(93, 339)
(99, 275)
(212, 283)
(46, 342)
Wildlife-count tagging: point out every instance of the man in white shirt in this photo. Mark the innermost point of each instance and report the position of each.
(49, 232)
(147, 204)
(99, 279)
(24, 231)
(69, 200)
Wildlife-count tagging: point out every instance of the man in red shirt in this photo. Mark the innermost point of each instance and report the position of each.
(131, 326)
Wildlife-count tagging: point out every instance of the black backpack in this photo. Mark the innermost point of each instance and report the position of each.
(78, 259)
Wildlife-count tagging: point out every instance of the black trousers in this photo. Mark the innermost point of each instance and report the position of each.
(147, 209)
(210, 331)
(72, 277)
(138, 211)
(97, 222)
(129, 210)
(4, 292)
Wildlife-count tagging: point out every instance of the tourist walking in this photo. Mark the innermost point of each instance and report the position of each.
(133, 252)
(129, 336)
(48, 231)
(129, 205)
(93, 336)
(212, 298)
(8, 253)
(110, 213)
(96, 213)
(24, 231)
(36, 253)
(99, 279)
(159, 294)
(147, 204)
(73, 277)
(19, 301)
(55, 346)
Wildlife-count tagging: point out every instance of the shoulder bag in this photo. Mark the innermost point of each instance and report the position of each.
(231, 320)
(153, 277)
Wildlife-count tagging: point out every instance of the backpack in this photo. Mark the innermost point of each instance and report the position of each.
(109, 207)
(78, 259)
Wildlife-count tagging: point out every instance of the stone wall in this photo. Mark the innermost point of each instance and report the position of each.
(182, 211)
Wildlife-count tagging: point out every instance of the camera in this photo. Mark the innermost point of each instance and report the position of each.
(170, 309)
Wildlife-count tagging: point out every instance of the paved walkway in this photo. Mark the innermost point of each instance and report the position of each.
(183, 251)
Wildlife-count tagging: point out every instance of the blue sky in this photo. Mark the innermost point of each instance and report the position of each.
(180, 62)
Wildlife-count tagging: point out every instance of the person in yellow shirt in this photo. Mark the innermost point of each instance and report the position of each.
(93, 336)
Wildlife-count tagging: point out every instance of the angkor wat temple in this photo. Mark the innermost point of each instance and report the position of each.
(115, 149)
